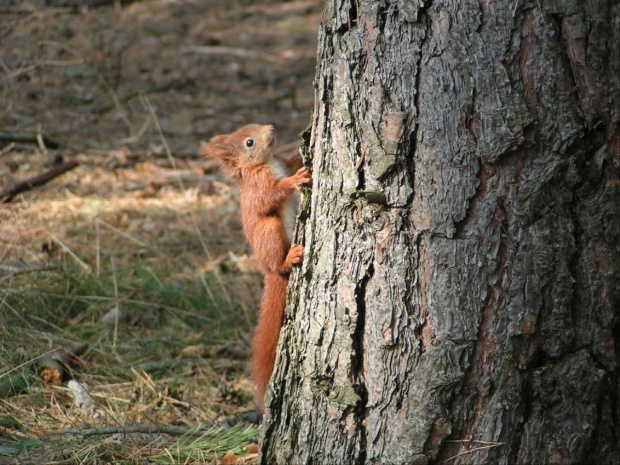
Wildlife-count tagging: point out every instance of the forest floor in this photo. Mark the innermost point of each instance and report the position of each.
(127, 291)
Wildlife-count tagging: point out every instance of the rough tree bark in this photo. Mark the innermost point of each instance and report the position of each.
(461, 279)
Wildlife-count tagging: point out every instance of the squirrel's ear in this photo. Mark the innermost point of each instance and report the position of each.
(220, 149)
(205, 150)
(216, 148)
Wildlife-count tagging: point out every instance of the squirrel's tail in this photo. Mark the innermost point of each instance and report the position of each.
(267, 332)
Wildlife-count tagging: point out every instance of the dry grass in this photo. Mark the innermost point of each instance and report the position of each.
(169, 261)
(133, 229)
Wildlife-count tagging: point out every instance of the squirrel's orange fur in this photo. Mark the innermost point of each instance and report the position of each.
(246, 156)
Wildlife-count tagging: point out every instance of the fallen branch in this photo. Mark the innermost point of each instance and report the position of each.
(248, 417)
(16, 11)
(28, 138)
(7, 194)
(142, 429)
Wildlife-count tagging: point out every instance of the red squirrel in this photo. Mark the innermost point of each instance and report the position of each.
(268, 216)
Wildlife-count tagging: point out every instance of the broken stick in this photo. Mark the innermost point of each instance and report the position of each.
(7, 194)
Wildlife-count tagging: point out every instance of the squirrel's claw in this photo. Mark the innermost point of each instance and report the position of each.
(302, 177)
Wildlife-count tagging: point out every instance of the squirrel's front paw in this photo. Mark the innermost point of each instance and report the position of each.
(296, 254)
(301, 177)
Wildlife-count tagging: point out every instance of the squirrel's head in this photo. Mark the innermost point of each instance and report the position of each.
(249, 146)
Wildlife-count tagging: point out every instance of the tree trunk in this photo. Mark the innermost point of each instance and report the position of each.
(459, 297)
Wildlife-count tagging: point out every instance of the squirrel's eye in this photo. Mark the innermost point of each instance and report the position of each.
(249, 142)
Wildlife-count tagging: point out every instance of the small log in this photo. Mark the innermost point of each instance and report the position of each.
(7, 194)
(54, 366)
(13, 384)
(50, 370)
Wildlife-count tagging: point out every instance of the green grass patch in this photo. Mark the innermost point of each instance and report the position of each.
(211, 445)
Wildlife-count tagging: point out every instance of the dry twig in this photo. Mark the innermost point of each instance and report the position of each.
(72, 254)
(7, 194)
(143, 429)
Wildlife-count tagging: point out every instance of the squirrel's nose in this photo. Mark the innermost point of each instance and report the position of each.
(271, 128)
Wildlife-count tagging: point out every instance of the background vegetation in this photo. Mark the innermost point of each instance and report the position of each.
(131, 268)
